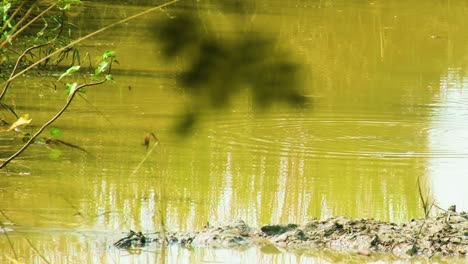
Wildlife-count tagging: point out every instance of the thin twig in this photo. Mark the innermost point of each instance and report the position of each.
(14, 261)
(427, 209)
(71, 145)
(6, 23)
(421, 197)
(9, 108)
(8, 82)
(77, 210)
(27, 25)
(67, 104)
(156, 143)
(414, 249)
(162, 214)
(96, 109)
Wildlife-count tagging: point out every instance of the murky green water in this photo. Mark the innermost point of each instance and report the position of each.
(387, 80)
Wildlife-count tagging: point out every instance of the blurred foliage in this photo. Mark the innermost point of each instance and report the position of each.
(42, 24)
(55, 132)
(218, 66)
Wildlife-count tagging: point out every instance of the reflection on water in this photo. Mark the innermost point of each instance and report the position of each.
(449, 141)
(382, 117)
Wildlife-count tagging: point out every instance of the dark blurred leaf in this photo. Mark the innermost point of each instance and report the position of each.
(219, 67)
(187, 123)
(179, 34)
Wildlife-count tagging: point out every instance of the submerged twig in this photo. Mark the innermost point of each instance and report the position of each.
(96, 109)
(2, 226)
(162, 215)
(37, 251)
(146, 143)
(71, 145)
(77, 210)
(14, 261)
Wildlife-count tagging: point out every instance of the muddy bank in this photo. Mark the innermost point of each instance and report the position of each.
(443, 235)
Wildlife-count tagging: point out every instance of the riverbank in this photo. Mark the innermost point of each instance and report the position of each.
(445, 234)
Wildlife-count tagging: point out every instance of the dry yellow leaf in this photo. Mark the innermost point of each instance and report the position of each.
(21, 122)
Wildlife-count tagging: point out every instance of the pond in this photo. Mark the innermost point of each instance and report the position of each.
(388, 106)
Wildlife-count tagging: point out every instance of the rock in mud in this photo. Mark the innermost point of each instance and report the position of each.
(271, 230)
(232, 234)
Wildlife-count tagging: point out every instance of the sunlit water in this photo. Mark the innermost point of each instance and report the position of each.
(449, 142)
(387, 83)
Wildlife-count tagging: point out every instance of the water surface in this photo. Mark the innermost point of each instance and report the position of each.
(387, 82)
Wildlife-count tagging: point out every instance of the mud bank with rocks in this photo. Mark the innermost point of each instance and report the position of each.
(443, 235)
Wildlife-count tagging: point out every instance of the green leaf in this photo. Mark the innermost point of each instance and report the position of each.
(55, 154)
(101, 68)
(55, 132)
(109, 77)
(67, 4)
(71, 70)
(5, 8)
(71, 87)
(26, 137)
(108, 54)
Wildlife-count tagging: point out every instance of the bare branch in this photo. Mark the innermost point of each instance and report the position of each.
(41, 129)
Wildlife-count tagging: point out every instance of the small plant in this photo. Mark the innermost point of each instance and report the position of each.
(106, 62)
(427, 206)
(44, 46)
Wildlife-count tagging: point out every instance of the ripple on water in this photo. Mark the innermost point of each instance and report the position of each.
(339, 136)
